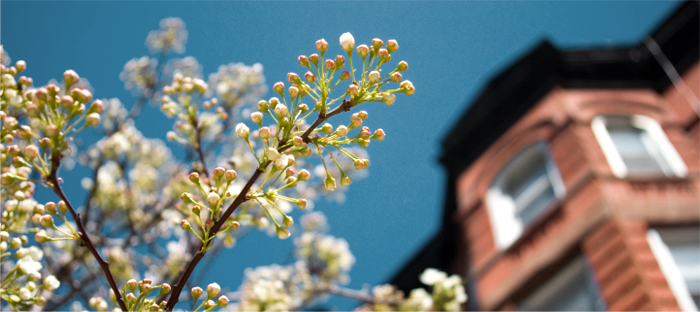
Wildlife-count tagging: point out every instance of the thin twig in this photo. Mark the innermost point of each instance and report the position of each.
(242, 197)
(52, 179)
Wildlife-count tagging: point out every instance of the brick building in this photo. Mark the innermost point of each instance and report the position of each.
(574, 180)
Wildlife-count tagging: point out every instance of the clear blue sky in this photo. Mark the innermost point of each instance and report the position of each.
(452, 48)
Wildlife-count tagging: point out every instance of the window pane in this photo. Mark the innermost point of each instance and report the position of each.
(684, 245)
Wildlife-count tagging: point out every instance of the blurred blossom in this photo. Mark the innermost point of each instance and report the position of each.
(4, 57)
(139, 74)
(237, 83)
(187, 67)
(113, 113)
(172, 35)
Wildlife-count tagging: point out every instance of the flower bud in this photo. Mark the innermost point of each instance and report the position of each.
(13, 150)
(363, 142)
(377, 43)
(297, 141)
(282, 161)
(235, 225)
(293, 91)
(92, 119)
(262, 106)
(282, 232)
(403, 66)
(363, 50)
(378, 135)
(407, 87)
(365, 133)
(384, 55)
(4, 236)
(209, 304)
(213, 290)
(388, 99)
(213, 198)
(373, 76)
(329, 182)
(301, 203)
(46, 221)
(21, 66)
(218, 173)
(51, 131)
(321, 45)
(272, 154)
(313, 58)
(40, 237)
(230, 175)
(96, 107)
(309, 77)
(70, 77)
(194, 177)
(303, 60)
(293, 78)
(362, 115)
(154, 307)
(256, 117)
(242, 131)
(45, 143)
(392, 46)
(352, 89)
(359, 164)
(278, 87)
(196, 209)
(222, 302)
(347, 42)
(287, 221)
(274, 101)
(62, 207)
(339, 62)
(264, 133)
(345, 75)
(330, 64)
(396, 77)
(185, 225)
(15, 243)
(281, 110)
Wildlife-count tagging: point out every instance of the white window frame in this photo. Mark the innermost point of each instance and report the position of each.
(507, 226)
(659, 138)
(670, 270)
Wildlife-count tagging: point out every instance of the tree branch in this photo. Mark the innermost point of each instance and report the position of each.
(85, 239)
(242, 197)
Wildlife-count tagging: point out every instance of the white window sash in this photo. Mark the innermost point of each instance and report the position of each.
(613, 157)
(670, 155)
(671, 272)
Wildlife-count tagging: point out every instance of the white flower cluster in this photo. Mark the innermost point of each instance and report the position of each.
(139, 75)
(187, 67)
(448, 292)
(270, 288)
(325, 254)
(172, 35)
(237, 83)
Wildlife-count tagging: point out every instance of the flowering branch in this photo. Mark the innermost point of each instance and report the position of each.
(53, 182)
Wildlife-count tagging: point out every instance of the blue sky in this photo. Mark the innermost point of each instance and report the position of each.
(452, 48)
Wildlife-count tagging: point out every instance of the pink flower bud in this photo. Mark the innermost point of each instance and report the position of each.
(321, 45)
(313, 58)
(293, 78)
(303, 60)
(209, 304)
(256, 117)
(359, 164)
(392, 46)
(352, 89)
(92, 119)
(70, 77)
(283, 232)
(339, 62)
(213, 290)
(85, 96)
(41, 237)
(196, 209)
(403, 66)
(293, 91)
(274, 101)
(46, 221)
(264, 132)
(262, 106)
(281, 110)
(378, 135)
(388, 99)
(297, 141)
(345, 180)
(279, 87)
(31, 152)
(363, 50)
(365, 133)
(303, 175)
(185, 225)
(21, 66)
(230, 175)
(345, 75)
(235, 225)
(309, 76)
(301, 203)
(50, 207)
(355, 121)
(396, 77)
(362, 114)
(342, 130)
(407, 87)
(330, 64)
(287, 221)
(196, 292)
(51, 131)
(222, 302)
(384, 55)
(303, 108)
(377, 43)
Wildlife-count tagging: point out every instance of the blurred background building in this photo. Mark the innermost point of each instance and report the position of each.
(574, 180)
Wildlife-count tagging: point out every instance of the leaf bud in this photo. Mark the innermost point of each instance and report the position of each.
(185, 225)
(279, 87)
(321, 45)
(230, 175)
(262, 106)
(345, 75)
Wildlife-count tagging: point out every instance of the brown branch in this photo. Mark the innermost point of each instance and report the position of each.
(242, 197)
(52, 179)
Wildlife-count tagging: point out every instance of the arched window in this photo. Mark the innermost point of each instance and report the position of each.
(637, 146)
(521, 191)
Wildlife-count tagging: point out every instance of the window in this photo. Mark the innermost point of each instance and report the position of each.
(637, 146)
(521, 191)
(571, 289)
(678, 252)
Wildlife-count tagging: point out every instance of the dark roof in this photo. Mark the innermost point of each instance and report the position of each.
(512, 93)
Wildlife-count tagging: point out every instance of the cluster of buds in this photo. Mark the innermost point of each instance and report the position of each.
(194, 122)
(208, 303)
(136, 293)
(212, 191)
(47, 222)
(55, 116)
